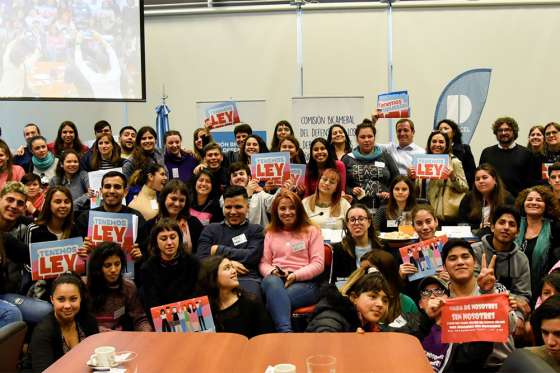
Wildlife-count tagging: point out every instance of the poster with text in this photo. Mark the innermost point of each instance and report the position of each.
(95, 178)
(271, 166)
(430, 166)
(312, 116)
(221, 114)
(297, 171)
(187, 316)
(425, 256)
(473, 319)
(393, 105)
(50, 259)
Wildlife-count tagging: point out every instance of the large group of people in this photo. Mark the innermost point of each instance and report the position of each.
(206, 227)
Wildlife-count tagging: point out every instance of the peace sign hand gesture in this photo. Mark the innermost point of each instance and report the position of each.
(486, 279)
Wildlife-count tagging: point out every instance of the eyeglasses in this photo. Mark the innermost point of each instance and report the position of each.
(551, 133)
(504, 130)
(428, 293)
(359, 219)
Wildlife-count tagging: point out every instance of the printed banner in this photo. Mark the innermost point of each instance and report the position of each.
(114, 227)
(271, 166)
(191, 315)
(393, 105)
(221, 114)
(463, 100)
(473, 319)
(95, 178)
(297, 171)
(312, 116)
(425, 256)
(430, 166)
(218, 114)
(227, 139)
(50, 259)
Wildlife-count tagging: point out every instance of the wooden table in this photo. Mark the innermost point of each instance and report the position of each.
(355, 353)
(160, 352)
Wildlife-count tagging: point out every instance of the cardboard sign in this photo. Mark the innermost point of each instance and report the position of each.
(393, 105)
(425, 256)
(50, 259)
(430, 166)
(114, 227)
(191, 315)
(222, 114)
(545, 167)
(297, 171)
(473, 319)
(271, 166)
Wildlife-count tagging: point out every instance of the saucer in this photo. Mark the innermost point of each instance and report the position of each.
(91, 364)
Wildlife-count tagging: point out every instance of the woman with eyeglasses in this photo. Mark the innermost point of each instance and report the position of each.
(552, 143)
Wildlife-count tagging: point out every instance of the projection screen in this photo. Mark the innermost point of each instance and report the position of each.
(72, 50)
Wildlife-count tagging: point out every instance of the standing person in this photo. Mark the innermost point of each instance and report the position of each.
(43, 161)
(321, 157)
(204, 197)
(546, 327)
(478, 206)
(339, 141)
(115, 301)
(180, 164)
(291, 145)
(254, 144)
(201, 138)
(444, 194)
(460, 150)
(67, 138)
(8, 170)
(152, 179)
(508, 158)
(105, 154)
(241, 132)
(292, 260)
(536, 140)
(369, 169)
(552, 143)
(402, 199)
(145, 152)
(127, 140)
(554, 179)
(68, 174)
(403, 153)
(282, 130)
(70, 322)
(326, 207)
(213, 161)
(233, 310)
(35, 194)
(23, 154)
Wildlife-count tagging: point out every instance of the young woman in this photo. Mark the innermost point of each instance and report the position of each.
(68, 174)
(174, 204)
(359, 238)
(115, 301)
(43, 162)
(292, 260)
(402, 199)
(552, 143)
(282, 129)
(180, 164)
(234, 311)
(326, 207)
(8, 170)
(105, 154)
(170, 274)
(444, 194)
(35, 194)
(153, 178)
(70, 322)
(254, 144)
(536, 140)
(539, 231)
(321, 157)
(339, 141)
(201, 138)
(369, 169)
(144, 154)
(67, 138)
(478, 206)
(291, 145)
(204, 197)
(460, 150)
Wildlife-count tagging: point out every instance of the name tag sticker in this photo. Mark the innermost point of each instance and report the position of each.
(175, 172)
(238, 240)
(154, 204)
(392, 224)
(297, 246)
(379, 164)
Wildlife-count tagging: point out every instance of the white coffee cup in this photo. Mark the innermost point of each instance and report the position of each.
(284, 368)
(104, 356)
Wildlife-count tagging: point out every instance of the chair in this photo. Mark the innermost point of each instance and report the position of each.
(522, 360)
(11, 341)
(301, 315)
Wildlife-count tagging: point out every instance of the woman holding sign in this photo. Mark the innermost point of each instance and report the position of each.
(254, 144)
(292, 260)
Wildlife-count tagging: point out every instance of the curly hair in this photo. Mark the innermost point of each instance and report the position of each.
(512, 123)
(552, 206)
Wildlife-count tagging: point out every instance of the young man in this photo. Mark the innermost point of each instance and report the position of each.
(180, 164)
(554, 179)
(102, 127)
(213, 159)
(406, 148)
(515, 164)
(127, 141)
(236, 239)
(23, 155)
(546, 325)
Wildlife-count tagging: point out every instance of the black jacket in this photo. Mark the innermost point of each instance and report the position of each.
(17, 254)
(195, 229)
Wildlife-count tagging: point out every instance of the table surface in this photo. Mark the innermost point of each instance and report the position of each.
(225, 352)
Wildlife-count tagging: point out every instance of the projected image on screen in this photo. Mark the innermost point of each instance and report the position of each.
(71, 49)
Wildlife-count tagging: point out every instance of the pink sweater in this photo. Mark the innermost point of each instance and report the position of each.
(301, 253)
(17, 174)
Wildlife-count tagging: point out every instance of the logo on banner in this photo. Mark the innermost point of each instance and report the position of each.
(393, 105)
(50, 259)
(463, 100)
(221, 115)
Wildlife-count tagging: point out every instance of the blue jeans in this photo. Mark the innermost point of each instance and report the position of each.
(251, 285)
(8, 313)
(31, 310)
(280, 301)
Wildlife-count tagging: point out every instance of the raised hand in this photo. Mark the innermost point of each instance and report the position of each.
(486, 279)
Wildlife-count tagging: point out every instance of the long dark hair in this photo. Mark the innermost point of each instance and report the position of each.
(46, 213)
(457, 134)
(59, 143)
(95, 161)
(97, 285)
(275, 144)
(499, 194)
(312, 169)
(392, 205)
(262, 148)
(73, 279)
(347, 142)
(142, 158)
(297, 159)
(174, 185)
(445, 137)
(348, 242)
(192, 186)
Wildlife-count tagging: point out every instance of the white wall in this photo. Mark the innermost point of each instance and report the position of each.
(253, 56)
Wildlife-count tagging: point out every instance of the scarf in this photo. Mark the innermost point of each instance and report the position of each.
(540, 252)
(45, 163)
(376, 153)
